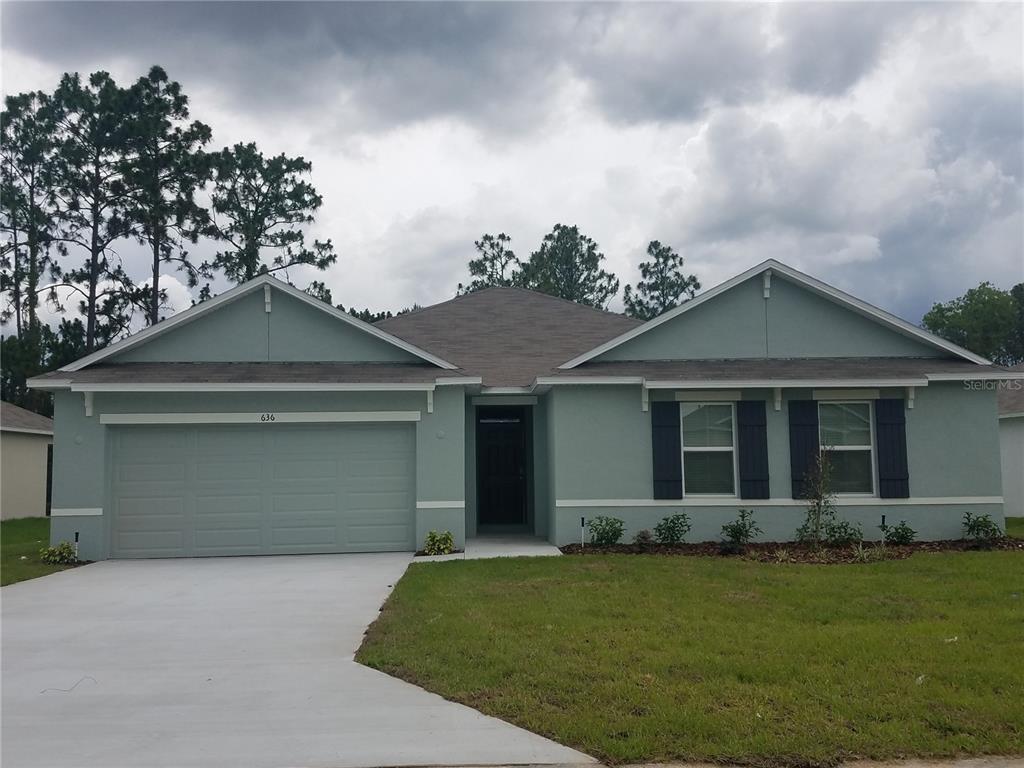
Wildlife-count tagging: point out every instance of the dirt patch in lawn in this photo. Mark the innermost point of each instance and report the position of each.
(791, 552)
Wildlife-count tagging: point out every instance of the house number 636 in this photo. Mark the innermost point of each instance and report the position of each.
(268, 417)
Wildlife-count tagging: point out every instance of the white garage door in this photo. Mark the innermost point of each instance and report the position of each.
(268, 489)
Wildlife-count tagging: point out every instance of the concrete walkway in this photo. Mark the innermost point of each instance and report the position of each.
(485, 547)
(225, 662)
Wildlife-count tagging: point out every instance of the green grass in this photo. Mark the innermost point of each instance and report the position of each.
(645, 658)
(20, 542)
(1015, 527)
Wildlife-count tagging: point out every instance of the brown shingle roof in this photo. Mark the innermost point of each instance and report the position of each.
(1011, 394)
(240, 373)
(759, 369)
(14, 418)
(508, 336)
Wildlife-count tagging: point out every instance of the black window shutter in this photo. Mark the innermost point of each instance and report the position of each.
(891, 436)
(752, 429)
(667, 450)
(803, 441)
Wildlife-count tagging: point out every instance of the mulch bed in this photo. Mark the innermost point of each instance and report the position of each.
(791, 552)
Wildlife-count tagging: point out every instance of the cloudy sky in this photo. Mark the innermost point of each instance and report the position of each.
(877, 146)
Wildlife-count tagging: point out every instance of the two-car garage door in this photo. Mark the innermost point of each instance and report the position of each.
(183, 491)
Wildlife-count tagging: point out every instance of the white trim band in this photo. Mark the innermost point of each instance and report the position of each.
(842, 501)
(76, 511)
(440, 505)
(25, 431)
(291, 386)
(266, 417)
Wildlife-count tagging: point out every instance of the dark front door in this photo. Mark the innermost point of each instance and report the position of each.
(501, 465)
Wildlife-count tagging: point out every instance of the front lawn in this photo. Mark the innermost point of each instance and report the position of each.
(641, 658)
(20, 542)
(1015, 527)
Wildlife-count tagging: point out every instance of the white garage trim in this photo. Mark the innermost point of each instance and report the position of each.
(76, 511)
(266, 417)
(440, 505)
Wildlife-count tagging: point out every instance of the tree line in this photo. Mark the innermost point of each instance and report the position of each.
(93, 165)
(568, 264)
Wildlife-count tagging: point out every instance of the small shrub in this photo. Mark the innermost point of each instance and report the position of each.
(740, 532)
(672, 529)
(439, 543)
(981, 529)
(605, 531)
(899, 535)
(781, 555)
(862, 554)
(841, 533)
(61, 554)
(643, 538)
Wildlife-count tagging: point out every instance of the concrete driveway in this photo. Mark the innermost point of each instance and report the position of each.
(225, 662)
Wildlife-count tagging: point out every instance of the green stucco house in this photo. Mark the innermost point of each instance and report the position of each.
(264, 421)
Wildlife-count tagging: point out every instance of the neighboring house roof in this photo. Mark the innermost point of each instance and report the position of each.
(817, 286)
(152, 375)
(236, 293)
(14, 418)
(898, 371)
(1011, 396)
(508, 336)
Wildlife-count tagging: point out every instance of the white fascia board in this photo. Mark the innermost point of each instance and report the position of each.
(609, 380)
(1018, 415)
(22, 431)
(786, 383)
(823, 289)
(466, 381)
(49, 384)
(253, 387)
(198, 310)
(983, 376)
(509, 390)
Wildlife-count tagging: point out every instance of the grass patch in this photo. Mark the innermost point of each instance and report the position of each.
(1015, 527)
(20, 542)
(643, 659)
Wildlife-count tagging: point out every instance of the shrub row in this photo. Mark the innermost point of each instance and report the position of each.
(607, 531)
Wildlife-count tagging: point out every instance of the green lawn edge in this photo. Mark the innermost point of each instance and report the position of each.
(636, 659)
(20, 542)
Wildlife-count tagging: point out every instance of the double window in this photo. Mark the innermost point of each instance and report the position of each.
(846, 433)
(709, 448)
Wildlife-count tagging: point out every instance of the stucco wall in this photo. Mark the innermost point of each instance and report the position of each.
(22, 474)
(243, 331)
(601, 450)
(81, 450)
(1011, 439)
(793, 322)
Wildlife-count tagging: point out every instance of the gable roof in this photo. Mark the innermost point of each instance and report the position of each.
(508, 336)
(1011, 396)
(206, 307)
(816, 286)
(14, 418)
